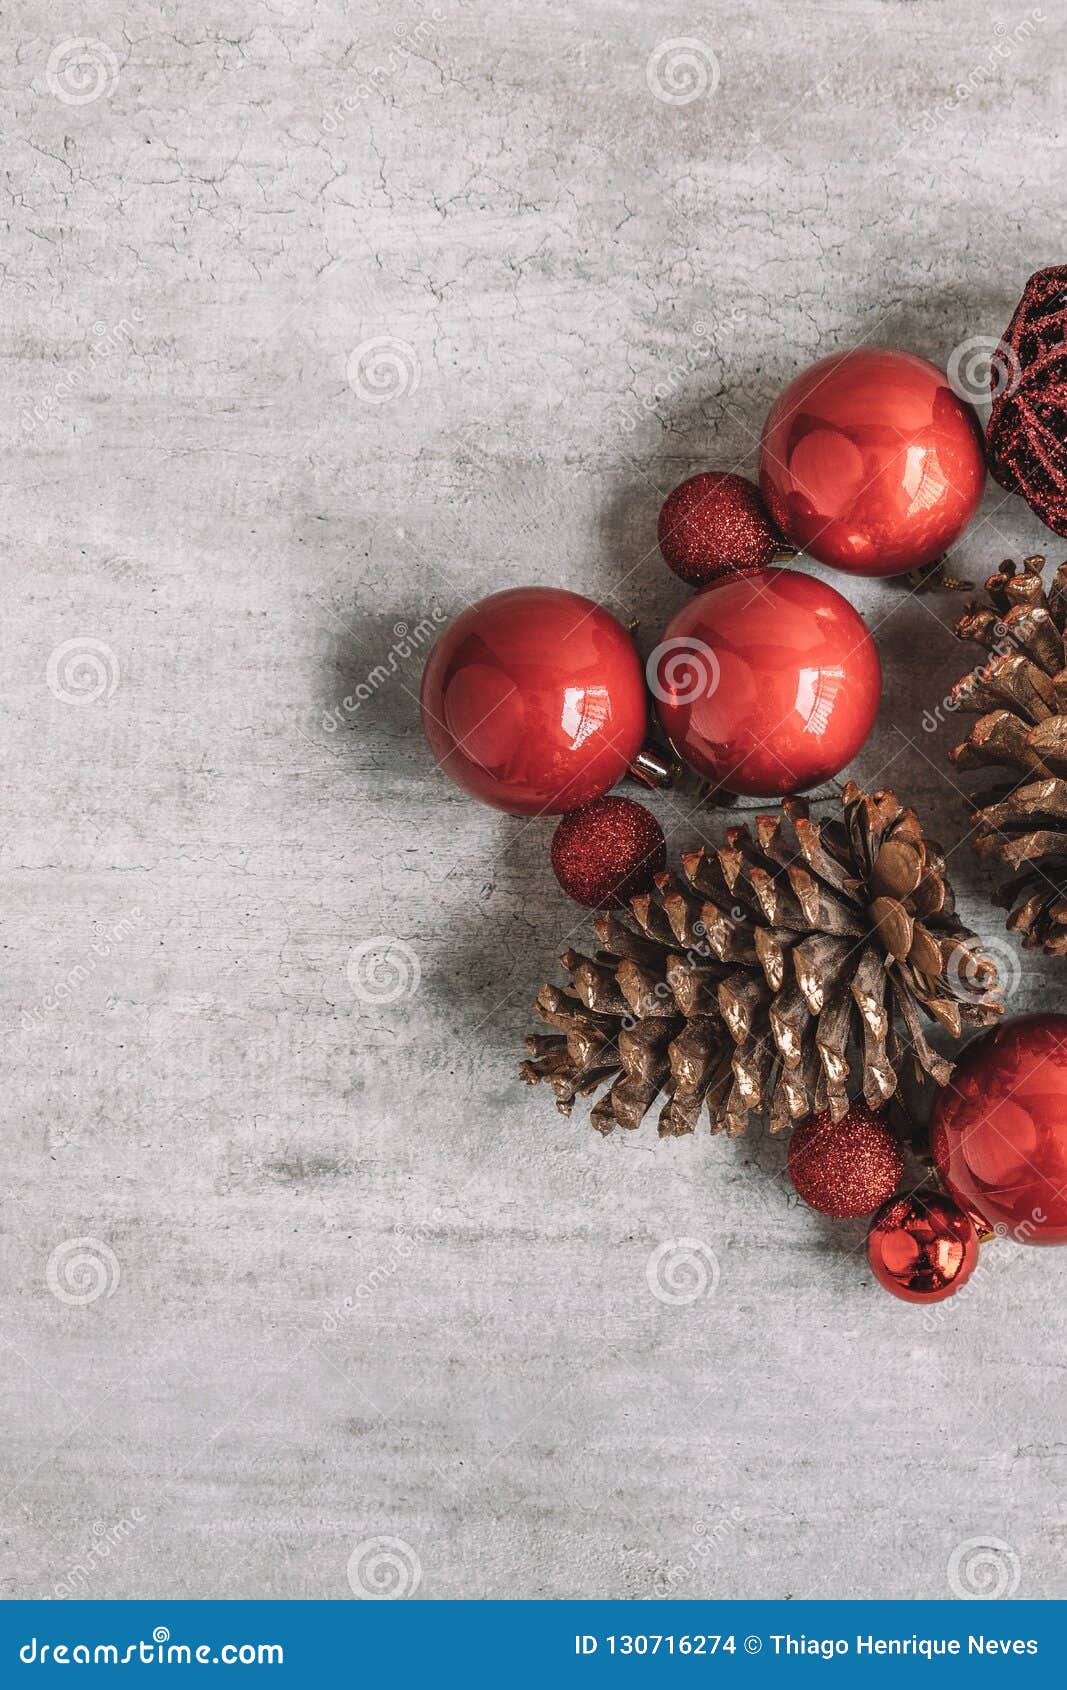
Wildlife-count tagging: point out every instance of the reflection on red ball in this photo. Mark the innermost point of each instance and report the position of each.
(871, 463)
(922, 1248)
(767, 684)
(533, 701)
(999, 1130)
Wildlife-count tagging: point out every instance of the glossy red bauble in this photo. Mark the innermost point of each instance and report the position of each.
(999, 1130)
(533, 701)
(767, 684)
(715, 525)
(607, 852)
(871, 463)
(922, 1248)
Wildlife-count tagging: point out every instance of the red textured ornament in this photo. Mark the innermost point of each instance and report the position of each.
(607, 852)
(871, 463)
(1027, 434)
(922, 1248)
(716, 525)
(768, 684)
(533, 701)
(845, 1168)
(999, 1131)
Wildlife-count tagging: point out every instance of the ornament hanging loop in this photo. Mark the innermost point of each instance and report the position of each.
(655, 768)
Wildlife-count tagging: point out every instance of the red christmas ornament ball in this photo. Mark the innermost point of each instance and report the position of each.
(871, 463)
(533, 701)
(607, 852)
(999, 1131)
(715, 525)
(922, 1248)
(767, 684)
(845, 1168)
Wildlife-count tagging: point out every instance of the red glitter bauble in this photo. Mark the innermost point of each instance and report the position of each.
(922, 1248)
(533, 701)
(845, 1168)
(871, 463)
(999, 1131)
(716, 525)
(607, 852)
(1027, 434)
(767, 684)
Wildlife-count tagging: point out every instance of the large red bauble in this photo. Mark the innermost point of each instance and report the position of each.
(767, 684)
(999, 1130)
(922, 1248)
(871, 463)
(533, 701)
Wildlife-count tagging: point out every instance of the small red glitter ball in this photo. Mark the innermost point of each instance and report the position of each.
(715, 525)
(922, 1248)
(606, 852)
(848, 1167)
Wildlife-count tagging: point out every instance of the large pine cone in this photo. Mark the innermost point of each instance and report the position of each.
(1022, 694)
(1027, 435)
(749, 983)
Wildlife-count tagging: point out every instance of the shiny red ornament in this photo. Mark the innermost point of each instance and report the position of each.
(999, 1131)
(1027, 434)
(716, 525)
(607, 852)
(767, 684)
(533, 701)
(871, 463)
(922, 1248)
(845, 1168)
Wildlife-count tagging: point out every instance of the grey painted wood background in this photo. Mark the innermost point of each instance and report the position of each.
(319, 323)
